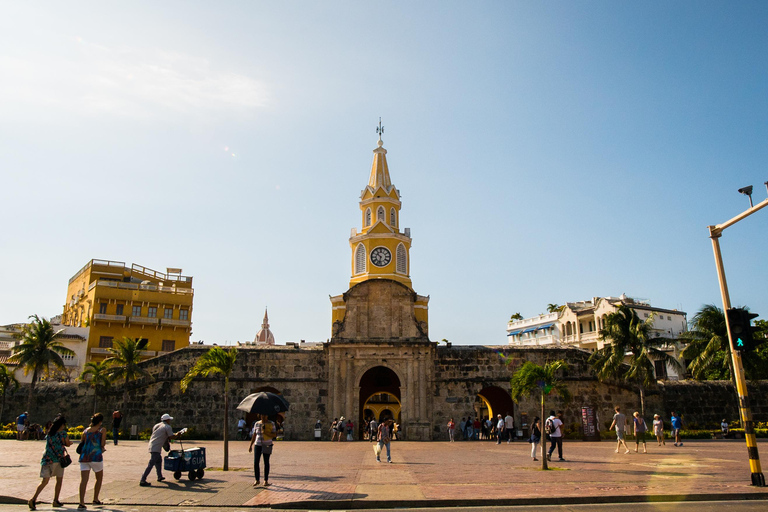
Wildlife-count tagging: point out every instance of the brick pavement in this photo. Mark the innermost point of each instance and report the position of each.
(344, 473)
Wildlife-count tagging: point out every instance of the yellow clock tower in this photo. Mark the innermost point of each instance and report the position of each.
(380, 299)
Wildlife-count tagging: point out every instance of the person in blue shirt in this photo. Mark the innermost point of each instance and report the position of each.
(677, 424)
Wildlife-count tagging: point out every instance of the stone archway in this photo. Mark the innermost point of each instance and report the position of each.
(493, 401)
(379, 395)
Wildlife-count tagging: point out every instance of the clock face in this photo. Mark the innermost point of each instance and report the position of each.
(381, 256)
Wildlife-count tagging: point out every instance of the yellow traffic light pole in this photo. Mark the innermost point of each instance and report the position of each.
(738, 369)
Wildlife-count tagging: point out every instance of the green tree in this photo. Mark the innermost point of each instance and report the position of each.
(217, 361)
(124, 363)
(7, 380)
(38, 350)
(531, 377)
(97, 374)
(515, 316)
(708, 350)
(629, 352)
(554, 308)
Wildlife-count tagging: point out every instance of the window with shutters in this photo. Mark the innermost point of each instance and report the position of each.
(392, 218)
(402, 261)
(360, 259)
(380, 216)
(368, 217)
(169, 345)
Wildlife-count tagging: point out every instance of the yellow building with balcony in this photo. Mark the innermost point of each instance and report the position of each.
(118, 301)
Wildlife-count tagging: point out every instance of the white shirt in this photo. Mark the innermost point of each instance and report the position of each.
(556, 424)
(510, 421)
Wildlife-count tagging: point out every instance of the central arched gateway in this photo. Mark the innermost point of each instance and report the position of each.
(379, 395)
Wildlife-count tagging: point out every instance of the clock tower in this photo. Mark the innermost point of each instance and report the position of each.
(380, 249)
(380, 302)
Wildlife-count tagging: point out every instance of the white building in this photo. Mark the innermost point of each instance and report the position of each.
(578, 324)
(73, 338)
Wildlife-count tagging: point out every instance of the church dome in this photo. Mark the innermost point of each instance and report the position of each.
(264, 336)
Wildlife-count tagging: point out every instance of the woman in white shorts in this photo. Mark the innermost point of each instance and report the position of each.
(93, 440)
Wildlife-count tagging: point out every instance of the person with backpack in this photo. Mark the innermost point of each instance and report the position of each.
(554, 427)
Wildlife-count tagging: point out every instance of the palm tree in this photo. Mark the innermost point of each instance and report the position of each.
(554, 308)
(7, 380)
(39, 349)
(215, 361)
(532, 377)
(124, 362)
(97, 373)
(630, 352)
(708, 347)
(516, 316)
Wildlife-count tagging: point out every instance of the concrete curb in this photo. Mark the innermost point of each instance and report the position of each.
(574, 500)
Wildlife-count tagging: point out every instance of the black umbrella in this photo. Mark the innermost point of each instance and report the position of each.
(263, 403)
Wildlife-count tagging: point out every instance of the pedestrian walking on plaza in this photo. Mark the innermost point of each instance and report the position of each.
(462, 427)
(640, 430)
(509, 427)
(476, 428)
(117, 418)
(384, 439)
(340, 428)
(21, 425)
(499, 428)
(373, 427)
(333, 430)
(350, 429)
(54, 460)
(451, 429)
(162, 433)
(91, 458)
(535, 436)
(264, 431)
(658, 429)
(555, 427)
(469, 429)
(620, 422)
(677, 425)
(724, 428)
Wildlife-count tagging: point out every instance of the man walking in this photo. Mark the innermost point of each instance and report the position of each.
(161, 434)
(21, 425)
(373, 428)
(620, 422)
(499, 428)
(677, 425)
(509, 426)
(554, 426)
(117, 418)
(383, 437)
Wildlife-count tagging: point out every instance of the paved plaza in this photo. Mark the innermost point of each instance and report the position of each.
(328, 475)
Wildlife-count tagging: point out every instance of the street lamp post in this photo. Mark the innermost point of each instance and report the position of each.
(715, 232)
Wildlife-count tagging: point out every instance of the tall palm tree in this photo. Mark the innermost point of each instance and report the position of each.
(708, 347)
(39, 349)
(630, 352)
(124, 363)
(516, 316)
(97, 374)
(217, 361)
(530, 378)
(7, 380)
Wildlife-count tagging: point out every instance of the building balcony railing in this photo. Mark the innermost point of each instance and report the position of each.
(148, 353)
(146, 287)
(100, 350)
(175, 323)
(109, 318)
(142, 320)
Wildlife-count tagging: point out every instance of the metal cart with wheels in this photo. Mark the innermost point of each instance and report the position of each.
(190, 461)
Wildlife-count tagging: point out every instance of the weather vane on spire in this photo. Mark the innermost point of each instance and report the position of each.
(380, 130)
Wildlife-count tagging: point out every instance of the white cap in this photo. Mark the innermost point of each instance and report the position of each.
(166, 417)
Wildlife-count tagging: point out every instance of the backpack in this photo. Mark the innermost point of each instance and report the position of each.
(548, 426)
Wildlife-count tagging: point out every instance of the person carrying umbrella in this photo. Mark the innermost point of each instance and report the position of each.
(264, 431)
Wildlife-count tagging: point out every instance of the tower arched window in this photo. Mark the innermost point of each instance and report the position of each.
(402, 260)
(360, 258)
(380, 215)
(368, 217)
(392, 218)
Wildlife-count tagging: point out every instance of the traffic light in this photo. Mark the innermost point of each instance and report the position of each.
(741, 330)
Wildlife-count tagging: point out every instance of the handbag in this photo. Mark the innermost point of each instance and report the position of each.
(65, 461)
(266, 449)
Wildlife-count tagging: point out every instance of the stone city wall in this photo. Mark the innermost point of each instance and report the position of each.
(301, 375)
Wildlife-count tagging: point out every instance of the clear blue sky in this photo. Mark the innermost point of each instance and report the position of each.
(545, 152)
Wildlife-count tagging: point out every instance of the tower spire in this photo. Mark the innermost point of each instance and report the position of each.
(379, 170)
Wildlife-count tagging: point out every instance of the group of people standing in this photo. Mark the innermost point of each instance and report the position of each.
(641, 429)
(502, 428)
(55, 458)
